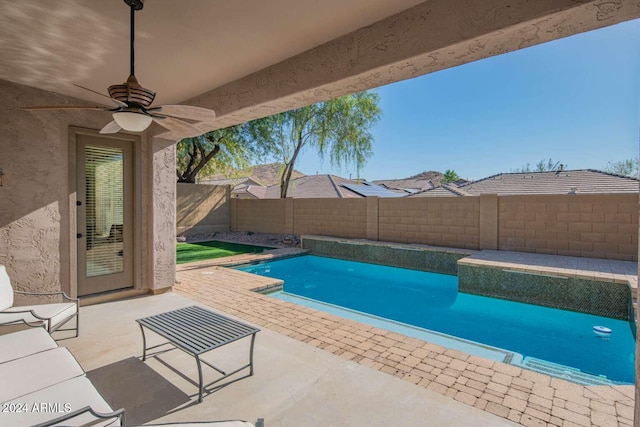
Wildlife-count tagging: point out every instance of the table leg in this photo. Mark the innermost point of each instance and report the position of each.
(144, 344)
(201, 384)
(253, 339)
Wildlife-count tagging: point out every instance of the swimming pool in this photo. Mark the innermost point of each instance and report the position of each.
(432, 301)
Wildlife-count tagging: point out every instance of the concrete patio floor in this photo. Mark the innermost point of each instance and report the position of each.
(295, 384)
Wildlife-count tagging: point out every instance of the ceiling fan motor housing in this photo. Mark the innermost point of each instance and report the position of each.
(132, 93)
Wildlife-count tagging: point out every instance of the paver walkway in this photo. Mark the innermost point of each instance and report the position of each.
(511, 392)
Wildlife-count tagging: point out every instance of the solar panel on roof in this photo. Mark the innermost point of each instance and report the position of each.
(369, 190)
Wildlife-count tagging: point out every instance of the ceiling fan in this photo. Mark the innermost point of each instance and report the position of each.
(133, 111)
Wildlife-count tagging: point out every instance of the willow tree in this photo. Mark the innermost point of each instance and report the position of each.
(218, 151)
(340, 128)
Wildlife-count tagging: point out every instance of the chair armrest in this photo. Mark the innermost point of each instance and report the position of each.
(46, 294)
(33, 313)
(20, 321)
(118, 413)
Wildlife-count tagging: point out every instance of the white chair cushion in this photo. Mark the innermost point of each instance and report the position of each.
(35, 372)
(24, 343)
(56, 313)
(75, 393)
(6, 291)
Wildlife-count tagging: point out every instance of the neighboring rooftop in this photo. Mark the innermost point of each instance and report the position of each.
(581, 181)
(328, 186)
(420, 182)
(445, 190)
(267, 174)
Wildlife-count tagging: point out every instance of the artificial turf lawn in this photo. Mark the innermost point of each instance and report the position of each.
(190, 252)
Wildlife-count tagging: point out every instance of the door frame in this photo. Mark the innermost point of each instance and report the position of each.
(135, 140)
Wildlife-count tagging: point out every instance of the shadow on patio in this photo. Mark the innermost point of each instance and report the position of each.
(294, 383)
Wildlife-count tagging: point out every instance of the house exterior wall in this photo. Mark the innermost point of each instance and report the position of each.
(37, 199)
(162, 214)
(202, 209)
(597, 226)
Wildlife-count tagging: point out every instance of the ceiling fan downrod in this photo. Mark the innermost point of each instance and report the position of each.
(131, 92)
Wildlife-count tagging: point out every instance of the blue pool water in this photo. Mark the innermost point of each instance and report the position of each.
(432, 301)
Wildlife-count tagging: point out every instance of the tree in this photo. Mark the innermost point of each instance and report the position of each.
(339, 128)
(450, 176)
(542, 166)
(628, 167)
(222, 150)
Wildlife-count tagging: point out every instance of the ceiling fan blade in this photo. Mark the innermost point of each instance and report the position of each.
(63, 107)
(111, 127)
(186, 112)
(178, 127)
(120, 103)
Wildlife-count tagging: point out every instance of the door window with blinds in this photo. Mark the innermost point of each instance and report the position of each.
(104, 204)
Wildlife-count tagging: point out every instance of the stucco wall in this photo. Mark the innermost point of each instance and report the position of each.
(34, 198)
(202, 209)
(163, 212)
(432, 36)
(36, 223)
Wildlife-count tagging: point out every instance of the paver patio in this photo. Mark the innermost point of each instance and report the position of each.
(513, 393)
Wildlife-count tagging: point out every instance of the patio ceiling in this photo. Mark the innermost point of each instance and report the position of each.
(247, 59)
(183, 48)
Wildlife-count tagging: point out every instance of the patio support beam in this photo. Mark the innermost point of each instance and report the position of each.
(163, 211)
(431, 36)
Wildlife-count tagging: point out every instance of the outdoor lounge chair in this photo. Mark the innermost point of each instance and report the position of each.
(50, 316)
(37, 371)
(25, 343)
(43, 384)
(77, 392)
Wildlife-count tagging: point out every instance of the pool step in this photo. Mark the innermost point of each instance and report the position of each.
(564, 372)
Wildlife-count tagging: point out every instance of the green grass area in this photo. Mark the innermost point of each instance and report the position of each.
(190, 252)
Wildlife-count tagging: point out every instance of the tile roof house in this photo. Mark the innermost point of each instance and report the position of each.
(420, 182)
(445, 190)
(251, 183)
(581, 181)
(326, 186)
(239, 186)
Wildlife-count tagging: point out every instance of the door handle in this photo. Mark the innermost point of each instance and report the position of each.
(79, 235)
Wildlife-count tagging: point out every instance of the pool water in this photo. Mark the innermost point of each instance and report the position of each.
(432, 301)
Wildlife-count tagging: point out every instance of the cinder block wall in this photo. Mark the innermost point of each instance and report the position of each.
(596, 226)
(438, 221)
(202, 209)
(261, 216)
(330, 217)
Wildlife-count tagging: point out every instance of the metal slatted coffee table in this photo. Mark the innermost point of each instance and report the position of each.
(196, 331)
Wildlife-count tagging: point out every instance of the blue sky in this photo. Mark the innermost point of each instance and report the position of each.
(576, 100)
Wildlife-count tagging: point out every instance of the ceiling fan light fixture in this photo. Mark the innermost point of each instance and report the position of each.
(132, 122)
